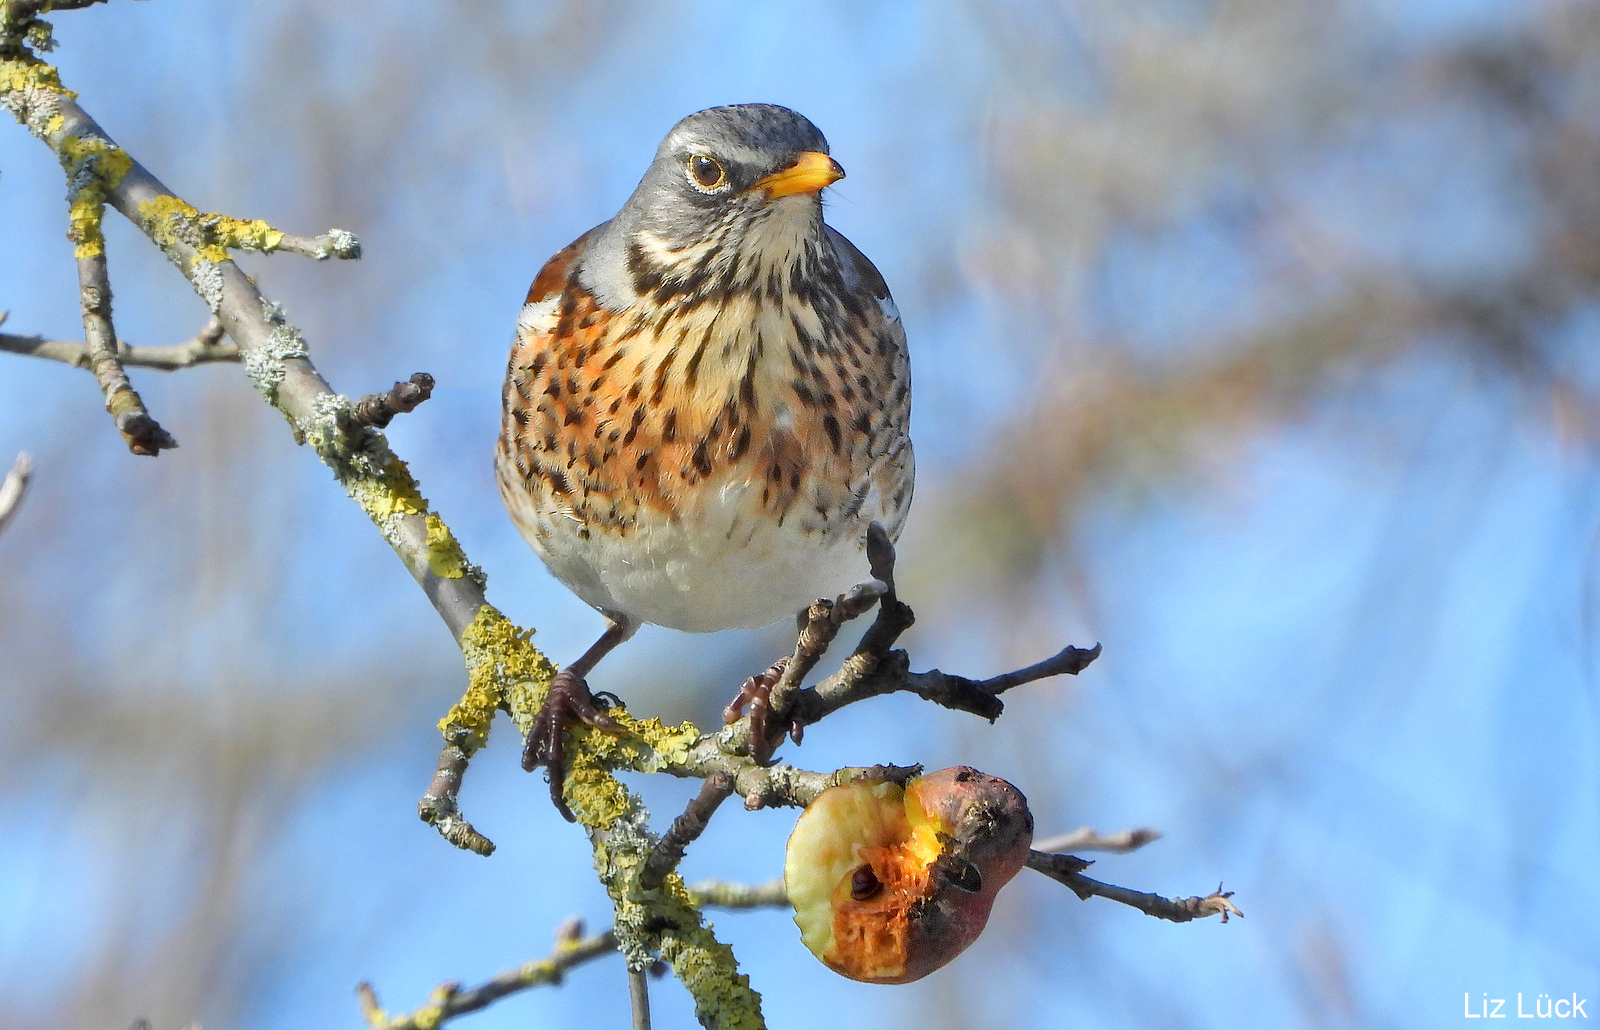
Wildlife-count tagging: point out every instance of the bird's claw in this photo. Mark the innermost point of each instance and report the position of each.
(568, 701)
(753, 694)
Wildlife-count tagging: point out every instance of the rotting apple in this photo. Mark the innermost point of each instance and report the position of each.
(890, 883)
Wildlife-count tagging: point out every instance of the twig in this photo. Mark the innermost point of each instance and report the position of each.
(865, 675)
(685, 829)
(874, 669)
(1067, 869)
(438, 806)
(448, 1000)
(894, 616)
(639, 998)
(208, 345)
(13, 488)
(142, 433)
(1086, 839)
(784, 785)
(818, 628)
(335, 243)
(379, 409)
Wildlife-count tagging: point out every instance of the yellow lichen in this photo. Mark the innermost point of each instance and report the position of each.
(94, 166)
(445, 558)
(111, 161)
(593, 794)
(19, 74)
(84, 217)
(391, 493)
(169, 220)
(500, 658)
(722, 995)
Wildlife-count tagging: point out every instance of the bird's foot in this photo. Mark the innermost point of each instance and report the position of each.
(567, 702)
(754, 694)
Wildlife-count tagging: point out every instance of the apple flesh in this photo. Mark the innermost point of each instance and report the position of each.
(889, 883)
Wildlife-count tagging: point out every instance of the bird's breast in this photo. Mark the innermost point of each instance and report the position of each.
(650, 453)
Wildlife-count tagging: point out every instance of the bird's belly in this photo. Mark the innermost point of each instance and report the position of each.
(720, 564)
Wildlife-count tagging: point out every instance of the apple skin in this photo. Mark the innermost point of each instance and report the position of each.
(890, 883)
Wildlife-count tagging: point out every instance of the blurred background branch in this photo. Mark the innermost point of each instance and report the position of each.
(13, 487)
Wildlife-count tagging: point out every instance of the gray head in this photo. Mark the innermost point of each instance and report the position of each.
(725, 162)
(733, 193)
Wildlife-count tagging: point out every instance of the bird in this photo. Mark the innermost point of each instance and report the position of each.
(707, 402)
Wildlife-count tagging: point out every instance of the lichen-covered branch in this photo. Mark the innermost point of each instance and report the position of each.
(508, 674)
(573, 948)
(724, 894)
(664, 922)
(335, 243)
(272, 350)
(448, 1000)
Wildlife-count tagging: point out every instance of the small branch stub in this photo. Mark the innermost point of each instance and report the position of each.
(379, 409)
(438, 806)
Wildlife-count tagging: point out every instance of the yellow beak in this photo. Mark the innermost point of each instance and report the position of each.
(811, 171)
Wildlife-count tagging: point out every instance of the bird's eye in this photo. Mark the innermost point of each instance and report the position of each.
(706, 171)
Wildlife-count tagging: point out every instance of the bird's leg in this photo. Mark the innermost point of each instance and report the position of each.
(568, 701)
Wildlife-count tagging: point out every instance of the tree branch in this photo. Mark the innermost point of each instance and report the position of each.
(656, 916)
(448, 1000)
(335, 243)
(873, 669)
(438, 807)
(639, 998)
(685, 830)
(273, 351)
(572, 948)
(208, 345)
(140, 432)
(722, 894)
(1068, 869)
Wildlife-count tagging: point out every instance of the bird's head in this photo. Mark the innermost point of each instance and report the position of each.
(732, 192)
